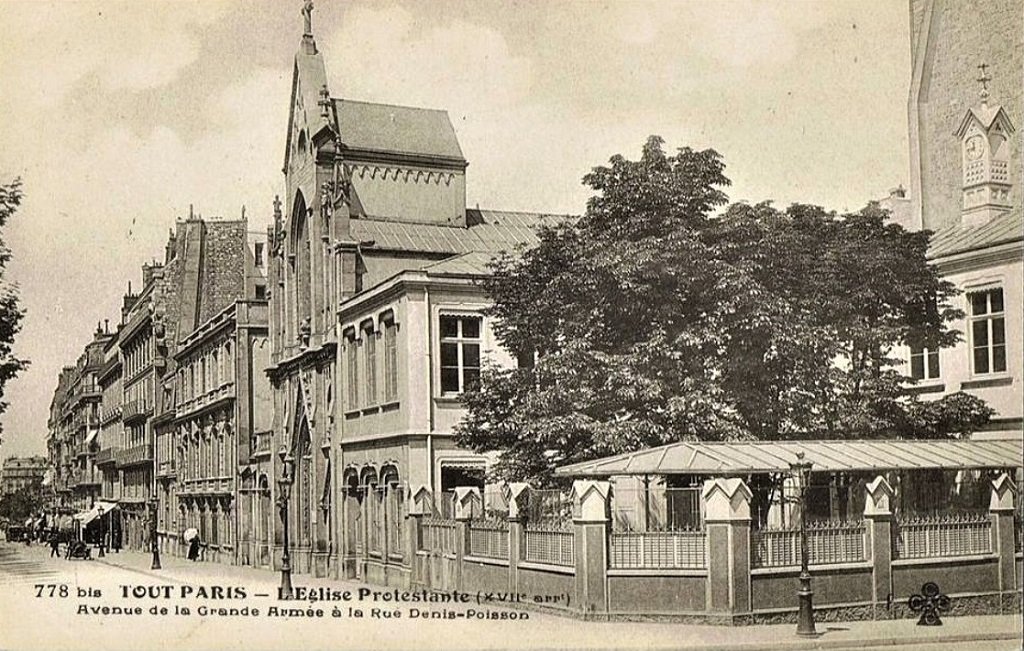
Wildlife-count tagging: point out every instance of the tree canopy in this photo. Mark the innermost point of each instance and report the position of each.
(10, 310)
(650, 320)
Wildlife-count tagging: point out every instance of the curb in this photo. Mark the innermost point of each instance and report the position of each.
(799, 645)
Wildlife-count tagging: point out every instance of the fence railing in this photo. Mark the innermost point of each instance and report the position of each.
(439, 535)
(827, 543)
(658, 550)
(488, 538)
(944, 535)
(549, 542)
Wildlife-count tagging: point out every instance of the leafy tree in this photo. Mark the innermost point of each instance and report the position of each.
(25, 502)
(650, 320)
(10, 310)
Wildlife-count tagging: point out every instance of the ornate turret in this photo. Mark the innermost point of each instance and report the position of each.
(984, 135)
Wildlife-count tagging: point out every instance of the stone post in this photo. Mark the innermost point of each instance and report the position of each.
(419, 506)
(727, 522)
(879, 520)
(517, 494)
(467, 503)
(1001, 505)
(591, 506)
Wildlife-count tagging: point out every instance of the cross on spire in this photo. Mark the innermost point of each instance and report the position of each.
(983, 79)
(307, 15)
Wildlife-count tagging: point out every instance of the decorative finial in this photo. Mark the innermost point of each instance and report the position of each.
(277, 207)
(307, 15)
(325, 102)
(983, 80)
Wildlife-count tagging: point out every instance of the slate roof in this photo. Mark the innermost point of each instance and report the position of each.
(961, 239)
(489, 231)
(737, 458)
(466, 264)
(398, 129)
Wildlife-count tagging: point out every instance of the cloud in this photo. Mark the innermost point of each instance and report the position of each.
(128, 46)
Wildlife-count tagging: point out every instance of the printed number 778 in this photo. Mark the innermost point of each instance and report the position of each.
(51, 590)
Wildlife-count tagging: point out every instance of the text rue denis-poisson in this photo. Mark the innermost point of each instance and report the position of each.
(360, 603)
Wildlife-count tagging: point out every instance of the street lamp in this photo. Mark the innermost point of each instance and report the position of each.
(284, 484)
(154, 543)
(103, 530)
(801, 471)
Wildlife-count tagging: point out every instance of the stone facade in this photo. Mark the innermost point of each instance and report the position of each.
(949, 40)
(21, 472)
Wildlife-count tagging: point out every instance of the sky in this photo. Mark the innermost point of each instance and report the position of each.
(120, 115)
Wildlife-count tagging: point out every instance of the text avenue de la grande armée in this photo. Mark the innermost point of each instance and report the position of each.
(232, 601)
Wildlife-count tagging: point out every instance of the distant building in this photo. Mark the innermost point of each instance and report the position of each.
(21, 472)
(965, 102)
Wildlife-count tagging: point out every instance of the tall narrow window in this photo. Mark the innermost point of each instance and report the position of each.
(370, 359)
(924, 363)
(988, 331)
(390, 361)
(353, 371)
(460, 353)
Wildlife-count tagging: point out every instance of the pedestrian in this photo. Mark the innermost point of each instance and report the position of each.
(193, 549)
(54, 543)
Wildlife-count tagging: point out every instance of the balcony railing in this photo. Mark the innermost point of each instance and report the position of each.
(136, 410)
(134, 455)
(105, 456)
(110, 414)
(167, 469)
(214, 395)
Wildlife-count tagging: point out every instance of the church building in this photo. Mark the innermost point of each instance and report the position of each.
(376, 322)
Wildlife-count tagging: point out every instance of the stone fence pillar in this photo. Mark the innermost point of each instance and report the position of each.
(418, 506)
(517, 494)
(727, 522)
(879, 523)
(1001, 505)
(467, 503)
(591, 506)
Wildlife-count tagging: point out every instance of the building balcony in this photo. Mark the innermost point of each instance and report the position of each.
(83, 450)
(208, 399)
(205, 486)
(110, 414)
(136, 410)
(105, 456)
(135, 455)
(167, 469)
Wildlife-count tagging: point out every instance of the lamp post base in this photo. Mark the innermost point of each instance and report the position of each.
(805, 615)
(285, 591)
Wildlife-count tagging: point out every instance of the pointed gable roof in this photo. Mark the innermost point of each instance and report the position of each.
(388, 128)
(986, 116)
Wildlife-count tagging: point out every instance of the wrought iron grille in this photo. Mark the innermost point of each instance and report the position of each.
(657, 550)
(828, 542)
(943, 535)
(488, 538)
(548, 542)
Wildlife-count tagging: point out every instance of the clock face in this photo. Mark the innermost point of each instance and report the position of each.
(973, 147)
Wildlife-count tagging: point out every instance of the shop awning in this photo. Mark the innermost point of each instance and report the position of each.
(755, 457)
(85, 517)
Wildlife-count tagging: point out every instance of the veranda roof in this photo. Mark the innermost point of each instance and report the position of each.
(755, 457)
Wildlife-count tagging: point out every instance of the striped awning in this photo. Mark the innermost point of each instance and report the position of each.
(753, 457)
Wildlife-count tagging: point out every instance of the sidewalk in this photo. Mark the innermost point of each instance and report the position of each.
(573, 633)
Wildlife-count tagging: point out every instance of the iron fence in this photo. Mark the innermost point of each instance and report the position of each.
(439, 535)
(549, 505)
(658, 550)
(549, 542)
(963, 534)
(488, 538)
(828, 542)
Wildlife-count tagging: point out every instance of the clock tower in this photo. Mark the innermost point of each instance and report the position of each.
(984, 135)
